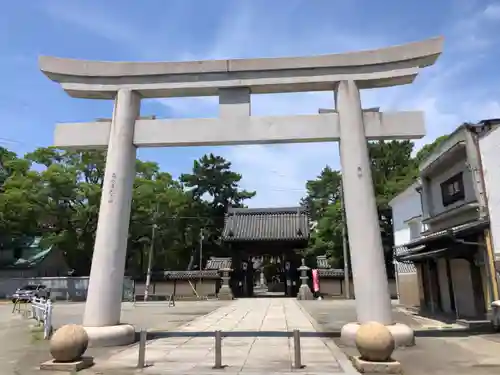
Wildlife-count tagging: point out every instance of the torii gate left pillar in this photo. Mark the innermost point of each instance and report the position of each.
(234, 81)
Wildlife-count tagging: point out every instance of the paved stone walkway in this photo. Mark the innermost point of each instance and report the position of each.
(241, 355)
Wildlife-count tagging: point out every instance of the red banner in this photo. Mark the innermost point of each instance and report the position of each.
(315, 276)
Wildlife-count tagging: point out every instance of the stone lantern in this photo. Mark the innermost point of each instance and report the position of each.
(304, 290)
(225, 291)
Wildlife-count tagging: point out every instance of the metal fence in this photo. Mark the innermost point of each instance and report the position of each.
(42, 312)
(218, 347)
(39, 309)
(68, 288)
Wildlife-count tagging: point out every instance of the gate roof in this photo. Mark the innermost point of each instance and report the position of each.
(266, 224)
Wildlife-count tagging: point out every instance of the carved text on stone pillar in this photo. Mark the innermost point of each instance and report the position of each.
(111, 191)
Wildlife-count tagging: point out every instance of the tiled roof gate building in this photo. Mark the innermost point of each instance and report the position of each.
(255, 233)
(266, 224)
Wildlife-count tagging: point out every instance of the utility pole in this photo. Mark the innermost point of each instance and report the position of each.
(347, 282)
(150, 257)
(344, 224)
(201, 252)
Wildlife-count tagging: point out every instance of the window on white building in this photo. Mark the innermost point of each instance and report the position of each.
(415, 229)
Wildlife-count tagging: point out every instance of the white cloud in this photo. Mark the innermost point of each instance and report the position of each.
(471, 29)
(279, 172)
(492, 12)
(490, 109)
(94, 20)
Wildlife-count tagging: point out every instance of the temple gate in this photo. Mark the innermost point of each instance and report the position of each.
(258, 235)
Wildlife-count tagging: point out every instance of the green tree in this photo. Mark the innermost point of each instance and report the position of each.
(213, 178)
(60, 198)
(19, 192)
(69, 197)
(392, 168)
(215, 187)
(10, 164)
(159, 200)
(326, 238)
(322, 192)
(428, 149)
(324, 205)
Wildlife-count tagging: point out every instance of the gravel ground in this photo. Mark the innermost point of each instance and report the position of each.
(445, 355)
(22, 351)
(333, 314)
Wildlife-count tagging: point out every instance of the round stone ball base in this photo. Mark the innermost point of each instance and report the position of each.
(387, 367)
(403, 335)
(119, 335)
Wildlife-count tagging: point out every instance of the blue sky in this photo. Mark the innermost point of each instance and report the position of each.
(463, 86)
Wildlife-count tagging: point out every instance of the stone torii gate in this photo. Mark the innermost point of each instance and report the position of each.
(233, 81)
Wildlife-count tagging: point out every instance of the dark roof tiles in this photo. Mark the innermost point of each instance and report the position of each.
(218, 263)
(330, 273)
(322, 262)
(266, 224)
(189, 275)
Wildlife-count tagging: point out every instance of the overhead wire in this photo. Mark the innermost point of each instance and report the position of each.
(5, 140)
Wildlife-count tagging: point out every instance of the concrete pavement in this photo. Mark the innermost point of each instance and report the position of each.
(21, 351)
(441, 354)
(243, 354)
(437, 354)
(153, 315)
(332, 315)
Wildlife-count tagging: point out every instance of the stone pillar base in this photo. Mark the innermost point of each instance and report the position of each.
(68, 367)
(388, 367)
(120, 335)
(225, 293)
(403, 335)
(305, 293)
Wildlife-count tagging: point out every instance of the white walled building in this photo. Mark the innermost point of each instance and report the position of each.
(407, 226)
(443, 232)
(489, 145)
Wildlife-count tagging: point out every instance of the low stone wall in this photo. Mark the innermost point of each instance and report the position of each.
(181, 288)
(335, 288)
(408, 289)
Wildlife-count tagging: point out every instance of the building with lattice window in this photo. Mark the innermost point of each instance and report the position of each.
(441, 230)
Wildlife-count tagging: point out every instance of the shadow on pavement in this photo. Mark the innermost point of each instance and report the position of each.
(454, 332)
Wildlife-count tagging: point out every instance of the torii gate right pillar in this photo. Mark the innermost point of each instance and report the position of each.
(373, 302)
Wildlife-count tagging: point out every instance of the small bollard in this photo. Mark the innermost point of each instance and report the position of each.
(141, 360)
(218, 350)
(296, 349)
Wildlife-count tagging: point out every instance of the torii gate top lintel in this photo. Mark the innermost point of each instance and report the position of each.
(382, 67)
